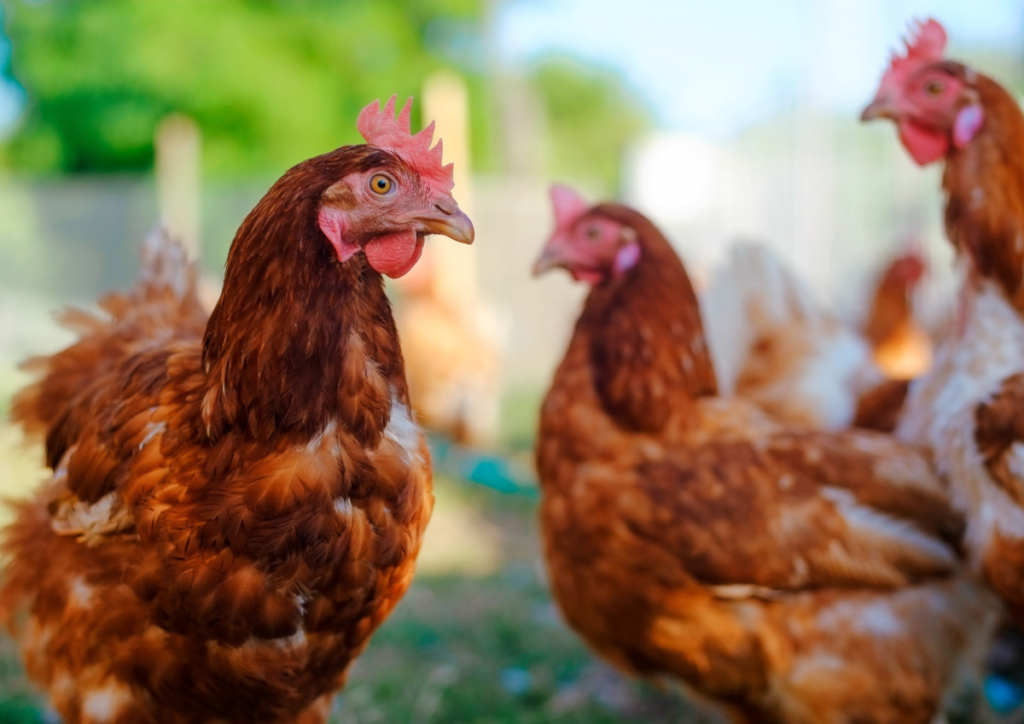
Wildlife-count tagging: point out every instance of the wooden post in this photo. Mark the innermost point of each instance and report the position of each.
(452, 266)
(178, 179)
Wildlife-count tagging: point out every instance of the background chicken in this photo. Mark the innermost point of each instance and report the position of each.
(773, 343)
(795, 576)
(967, 409)
(454, 360)
(899, 345)
(236, 503)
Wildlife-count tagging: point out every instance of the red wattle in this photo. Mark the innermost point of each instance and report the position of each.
(590, 276)
(926, 145)
(394, 254)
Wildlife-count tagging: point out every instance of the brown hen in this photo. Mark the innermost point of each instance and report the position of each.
(968, 408)
(793, 576)
(901, 349)
(236, 503)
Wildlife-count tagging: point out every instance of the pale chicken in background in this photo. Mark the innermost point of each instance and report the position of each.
(452, 361)
(776, 345)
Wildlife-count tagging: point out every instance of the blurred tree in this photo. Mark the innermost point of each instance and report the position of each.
(270, 82)
(591, 116)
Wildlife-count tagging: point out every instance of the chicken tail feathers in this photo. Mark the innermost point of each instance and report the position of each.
(163, 305)
(165, 267)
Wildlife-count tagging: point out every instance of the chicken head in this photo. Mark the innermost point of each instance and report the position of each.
(931, 100)
(590, 246)
(399, 194)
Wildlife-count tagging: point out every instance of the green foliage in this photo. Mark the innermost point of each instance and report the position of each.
(270, 82)
(591, 117)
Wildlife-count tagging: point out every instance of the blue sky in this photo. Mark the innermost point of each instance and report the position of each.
(714, 66)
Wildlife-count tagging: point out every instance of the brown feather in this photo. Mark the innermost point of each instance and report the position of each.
(984, 185)
(879, 408)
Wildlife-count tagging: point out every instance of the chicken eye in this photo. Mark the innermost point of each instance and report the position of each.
(381, 184)
(934, 88)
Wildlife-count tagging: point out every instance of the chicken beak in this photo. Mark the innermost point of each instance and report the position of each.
(879, 108)
(550, 258)
(451, 223)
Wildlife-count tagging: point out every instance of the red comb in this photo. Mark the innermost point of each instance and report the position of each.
(380, 128)
(926, 44)
(569, 206)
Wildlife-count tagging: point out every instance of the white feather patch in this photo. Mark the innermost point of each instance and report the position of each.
(940, 412)
(79, 592)
(876, 618)
(104, 704)
(876, 524)
(403, 431)
(152, 431)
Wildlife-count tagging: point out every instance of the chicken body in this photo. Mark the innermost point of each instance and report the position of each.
(793, 576)
(967, 411)
(237, 502)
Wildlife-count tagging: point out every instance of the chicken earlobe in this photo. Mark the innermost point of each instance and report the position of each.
(332, 223)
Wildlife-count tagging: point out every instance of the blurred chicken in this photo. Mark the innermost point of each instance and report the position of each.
(775, 345)
(453, 360)
(237, 501)
(795, 576)
(900, 347)
(969, 409)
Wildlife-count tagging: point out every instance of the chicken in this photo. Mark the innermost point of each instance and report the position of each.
(900, 347)
(967, 409)
(453, 362)
(773, 344)
(236, 502)
(792, 575)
